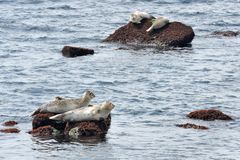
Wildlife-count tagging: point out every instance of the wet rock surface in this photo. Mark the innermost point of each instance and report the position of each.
(44, 131)
(226, 33)
(10, 130)
(173, 34)
(69, 51)
(42, 119)
(193, 126)
(209, 115)
(89, 128)
(10, 123)
(44, 127)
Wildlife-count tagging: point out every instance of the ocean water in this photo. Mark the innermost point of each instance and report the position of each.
(153, 90)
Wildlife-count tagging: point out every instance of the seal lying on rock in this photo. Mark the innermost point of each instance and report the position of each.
(158, 23)
(96, 112)
(174, 34)
(61, 105)
(137, 16)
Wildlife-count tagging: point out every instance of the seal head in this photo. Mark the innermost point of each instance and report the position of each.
(137, 16)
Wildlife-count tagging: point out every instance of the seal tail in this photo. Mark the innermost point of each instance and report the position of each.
(36, 112)
(58, 117)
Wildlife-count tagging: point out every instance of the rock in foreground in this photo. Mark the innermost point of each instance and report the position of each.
(10, 130)
(69, 51)
(89, 128)
(209, 115)
(173, 34)
(44, 131)
(9, 123)
(194, 126)
(42, 119)
(44, 127)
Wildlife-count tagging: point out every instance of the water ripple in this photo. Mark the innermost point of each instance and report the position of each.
(152, 89)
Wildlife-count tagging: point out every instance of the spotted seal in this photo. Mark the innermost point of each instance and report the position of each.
(96, 112)
(137, 16)
(61, 105)
(158, 23)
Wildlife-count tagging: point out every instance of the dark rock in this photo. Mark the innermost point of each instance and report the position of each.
(44, 127)
(173, 34)
(42, 119)
(194, 126)
(88, 128)
(69, 51)
(226, 33)
(10, 130)
(44, 131)
(9, 123)
(209, 115)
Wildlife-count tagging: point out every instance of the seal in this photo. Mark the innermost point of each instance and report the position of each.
(137, 16)
(96, 112)
(61, 105)
(158, 23)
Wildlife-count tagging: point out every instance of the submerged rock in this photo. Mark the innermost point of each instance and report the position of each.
(9, 123)
(69, 51)
(226, 33)
(209, 115)
(173, 34)
(194, 126)
(10, 130)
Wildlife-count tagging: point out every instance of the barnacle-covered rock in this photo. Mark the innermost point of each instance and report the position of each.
(173, 34)
(209, 115)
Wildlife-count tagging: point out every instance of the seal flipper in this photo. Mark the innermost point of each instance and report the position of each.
(58, 117)
(36, 112)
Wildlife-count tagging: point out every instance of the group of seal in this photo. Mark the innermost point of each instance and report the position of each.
(157, 23)
(74, 110)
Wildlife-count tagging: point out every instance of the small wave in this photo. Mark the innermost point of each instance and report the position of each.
(5, 56)
(105, 83)
(64, 7)
(156, 112)
(203, 82)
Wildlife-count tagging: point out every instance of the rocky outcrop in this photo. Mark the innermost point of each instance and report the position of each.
(173, 34)
(69, 51)
(209, 115)
(194, 126)
(42, 119)
(9, 123)
(45, 131)
(44, 127)
(90, 128)
(10, 130)
(226, 33)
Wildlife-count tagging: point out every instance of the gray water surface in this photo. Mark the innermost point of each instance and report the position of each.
(152, 89)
